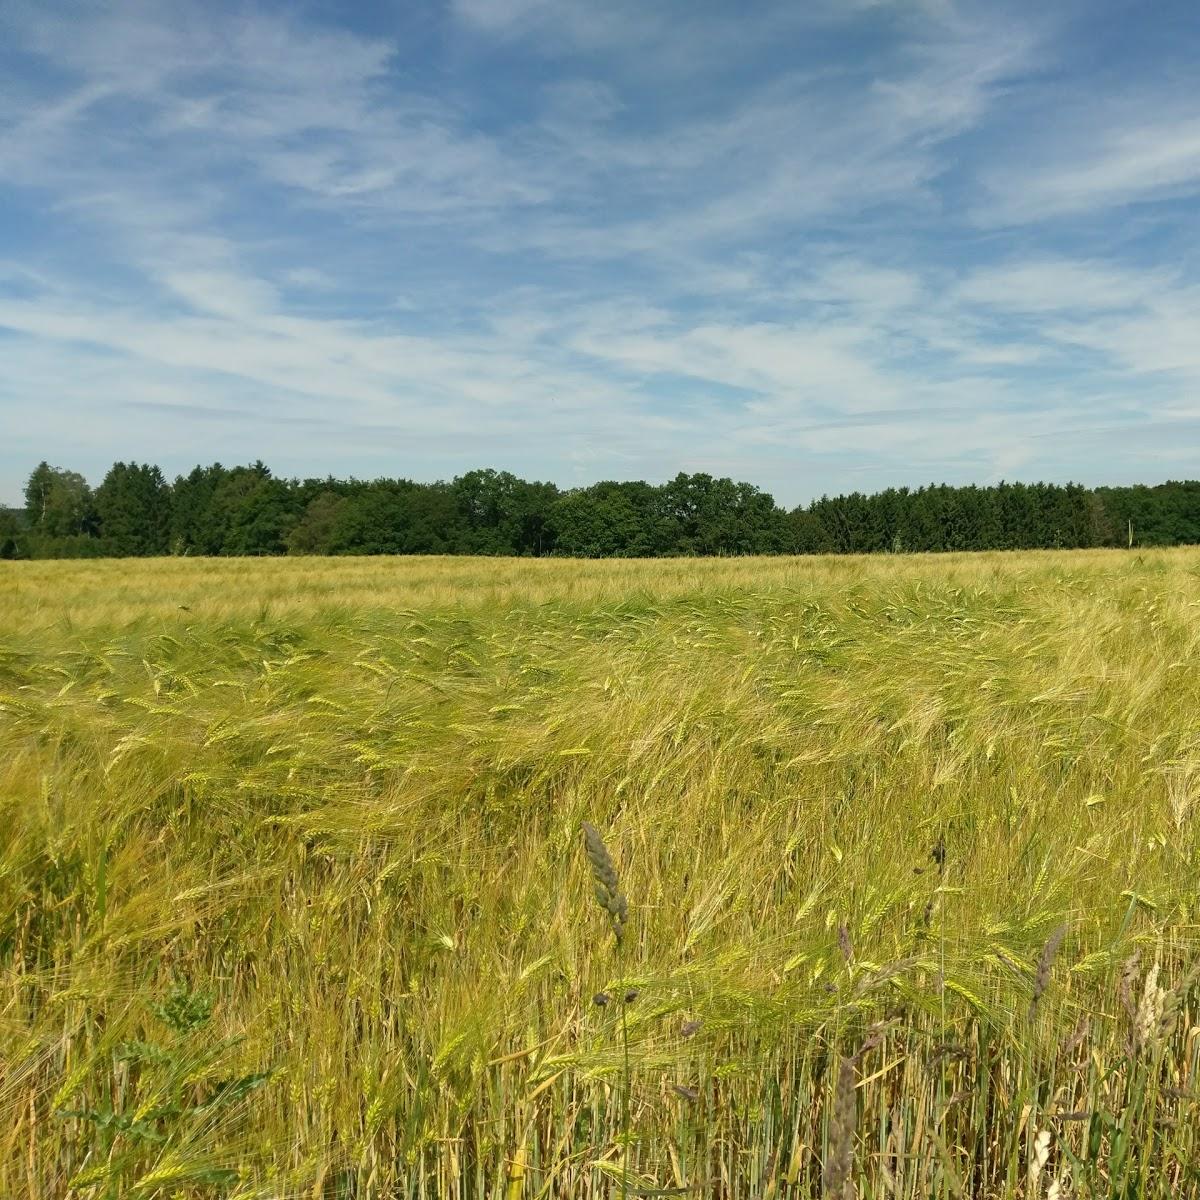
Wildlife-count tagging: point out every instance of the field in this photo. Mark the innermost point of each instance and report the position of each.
(294, 899)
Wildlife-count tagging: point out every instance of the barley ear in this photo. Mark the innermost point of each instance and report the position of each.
(839, 1159)
(1173, 1001)
(1041, 979)
(607, 884)
(845, 945)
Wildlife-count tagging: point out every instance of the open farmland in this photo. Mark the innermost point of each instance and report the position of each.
(294, 899)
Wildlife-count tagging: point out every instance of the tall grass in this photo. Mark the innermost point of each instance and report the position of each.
(293, 900)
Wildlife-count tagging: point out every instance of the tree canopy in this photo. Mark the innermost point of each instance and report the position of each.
(246, 510)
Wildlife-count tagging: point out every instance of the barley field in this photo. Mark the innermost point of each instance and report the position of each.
(295, 899)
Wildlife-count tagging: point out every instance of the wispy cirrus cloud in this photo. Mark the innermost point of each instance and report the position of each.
(579, 240)
(1141, 152)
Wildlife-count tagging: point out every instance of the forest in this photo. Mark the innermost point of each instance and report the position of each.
(248, 511)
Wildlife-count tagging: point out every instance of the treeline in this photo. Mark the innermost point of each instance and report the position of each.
(246, 510)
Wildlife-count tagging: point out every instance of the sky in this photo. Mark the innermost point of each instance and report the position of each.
(818, 245)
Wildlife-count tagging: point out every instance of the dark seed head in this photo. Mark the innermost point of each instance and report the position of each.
(600, 999)
(845, 944)
(839, 1159)
(607, 889)
(686, 1092)
(631, 995)
(690, 1028)
(873, 1042)
(1044, 966)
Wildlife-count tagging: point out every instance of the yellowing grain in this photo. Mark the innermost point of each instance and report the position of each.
(293, 893)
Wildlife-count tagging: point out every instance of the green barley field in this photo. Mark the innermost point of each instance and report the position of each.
(294, 897)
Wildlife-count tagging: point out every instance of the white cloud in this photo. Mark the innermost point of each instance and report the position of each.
(1131, 160)
(1049, 285)
(278, 235)
(1161, 338)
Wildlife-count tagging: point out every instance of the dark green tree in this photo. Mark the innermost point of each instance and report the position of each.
(718, 516)
(255, 511)
(13, 543)
(501, 514)
(196, 527)
(397, 516)
(134, 507)
(314, 532)
(246, 510)
(613, 520)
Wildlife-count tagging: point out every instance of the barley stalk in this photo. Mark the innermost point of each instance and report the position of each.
(839, 1159)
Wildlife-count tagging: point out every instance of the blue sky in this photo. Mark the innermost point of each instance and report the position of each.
(821, 245)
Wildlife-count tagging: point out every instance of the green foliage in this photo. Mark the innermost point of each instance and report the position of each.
(1008, 516)
(613, 520)
(253, 511)
(147, 1131)
(246, 511)
(58, 503)
(13, 540)
(314, 532)
(502, 514)
(398, 517)
(133, 505)
(1166, 515)
(195, 528)
(718, 516)
(184, 1010)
